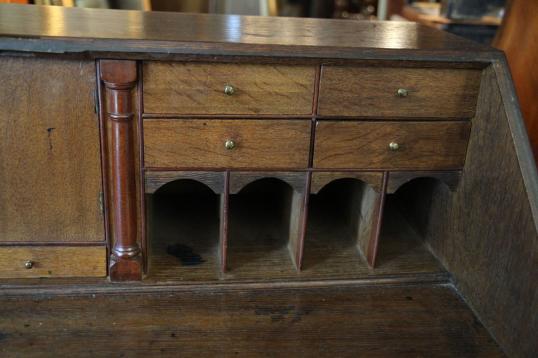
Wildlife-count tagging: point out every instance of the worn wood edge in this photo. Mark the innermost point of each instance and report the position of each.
(140, 49)
(292, 170)
(440, 279)
(54, 243)
(141, 174)
(519, 134)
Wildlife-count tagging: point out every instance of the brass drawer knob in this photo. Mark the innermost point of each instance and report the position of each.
(29, 264)
(229, 144)
(402, 92)
(229, 90)
(394, 146)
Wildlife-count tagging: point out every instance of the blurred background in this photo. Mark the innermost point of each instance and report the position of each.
(510, 25)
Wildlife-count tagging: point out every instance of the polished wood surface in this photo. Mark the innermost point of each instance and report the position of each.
(190, 143)
(323, 322)
(50, 180)
(198, 88)
(518, 38)
(52, 261)
(365, 145)
(68, 30)
(118, 80)
(372, 92)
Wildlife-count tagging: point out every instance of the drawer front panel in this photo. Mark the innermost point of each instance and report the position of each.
(398, 92)
(52, 261)
(391, 145)
(199, 88)
(218, 143)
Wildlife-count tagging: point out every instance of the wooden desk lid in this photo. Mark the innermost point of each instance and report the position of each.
(60, 30)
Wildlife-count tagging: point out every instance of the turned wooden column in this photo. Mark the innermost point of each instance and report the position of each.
(118, 83)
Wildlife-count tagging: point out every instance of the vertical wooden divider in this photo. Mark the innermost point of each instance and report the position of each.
(377, 220)
(296, 224)
(224, 217)
(119, 79)
(304, 223)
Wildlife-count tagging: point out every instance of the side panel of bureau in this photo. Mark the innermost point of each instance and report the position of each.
(419, 145)
(52, 261)
(50, 177)
(195, 143)
(398, 92)
(199, 88)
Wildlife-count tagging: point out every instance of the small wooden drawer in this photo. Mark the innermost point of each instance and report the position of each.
(52, 261)
(228, 143)
(398, 92)
(201, 88)
(391, 145)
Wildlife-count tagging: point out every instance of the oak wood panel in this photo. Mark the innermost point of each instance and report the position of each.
(200, 143)
(365, 145)
(137, 32)
(321, 179)
(198, 88)
(486, 232)
(239, 180)
(50, 176)
(52, 261)
(322, 322)
(397, 179)
(372, 92)
(155, 180)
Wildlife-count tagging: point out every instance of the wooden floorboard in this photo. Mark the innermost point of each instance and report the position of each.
(345, 321)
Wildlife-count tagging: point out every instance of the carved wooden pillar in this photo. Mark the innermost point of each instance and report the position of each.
(119, 80)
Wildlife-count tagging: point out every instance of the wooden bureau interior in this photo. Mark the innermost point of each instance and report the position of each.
(338, 154)
(271, 171)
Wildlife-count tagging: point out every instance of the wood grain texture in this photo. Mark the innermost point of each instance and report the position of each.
(50, 177)
(398, 179)
(155, 180)
(485, 233)
(52, 261)
(198, 88)
(322, 322)
(200, 143)
(137, 32)
(321, 179)
(372, 92)
(365, 145)
(239, 180)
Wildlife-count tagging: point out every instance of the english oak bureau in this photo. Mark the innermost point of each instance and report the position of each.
(180, 149)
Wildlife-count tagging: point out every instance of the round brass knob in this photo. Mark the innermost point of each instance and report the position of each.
(394, 146)
(29, 264)
(229, 90)
(229, 144)
(402, 92)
